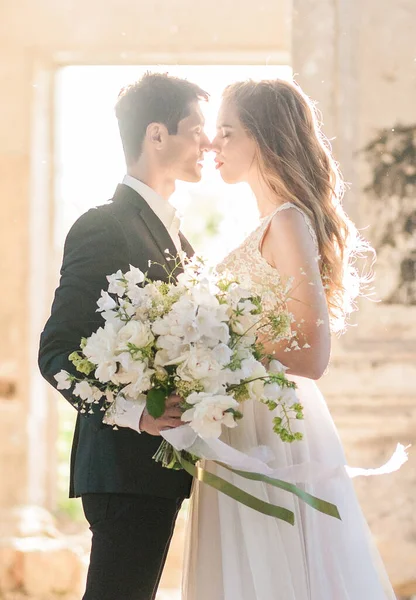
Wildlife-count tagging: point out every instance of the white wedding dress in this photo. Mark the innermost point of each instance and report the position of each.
(235, 553)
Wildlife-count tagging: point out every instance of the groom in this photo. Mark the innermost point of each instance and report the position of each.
(129, 500)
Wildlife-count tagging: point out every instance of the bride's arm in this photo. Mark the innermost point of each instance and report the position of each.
(289, 247)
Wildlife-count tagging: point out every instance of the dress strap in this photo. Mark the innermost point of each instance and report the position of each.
(285, 206)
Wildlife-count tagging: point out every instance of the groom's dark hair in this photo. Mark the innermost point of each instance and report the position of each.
(155, 98)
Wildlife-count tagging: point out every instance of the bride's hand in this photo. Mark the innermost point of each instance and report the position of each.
(170, 419)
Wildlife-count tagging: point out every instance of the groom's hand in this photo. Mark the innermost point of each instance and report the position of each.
(170, 419)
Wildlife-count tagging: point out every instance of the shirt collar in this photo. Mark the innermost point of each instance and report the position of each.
(159, 205)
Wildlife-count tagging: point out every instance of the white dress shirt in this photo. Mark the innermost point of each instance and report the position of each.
(123, 412)
(162, 209)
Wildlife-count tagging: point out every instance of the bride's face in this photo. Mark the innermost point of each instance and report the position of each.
(234, 148)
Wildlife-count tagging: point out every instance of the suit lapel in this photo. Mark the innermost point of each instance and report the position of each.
(158, 232)
(151, 221)
(155, 227)
(186, 246)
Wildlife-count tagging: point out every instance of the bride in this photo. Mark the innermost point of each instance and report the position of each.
(268, 136)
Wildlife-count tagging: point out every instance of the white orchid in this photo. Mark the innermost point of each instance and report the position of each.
(174, 346)
(87, 392)
(244, 324)
(222, 353)
(272, 391)
(253, 371)
(196, 335)
(136, 294)
(100, 350)
(134, 276)
(116, 283)
(276, 367)
(236, 293)
(106, 302)
(113, 317)
(136, 333)
(63, 380)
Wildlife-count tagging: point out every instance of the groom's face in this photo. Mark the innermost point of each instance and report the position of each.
(184, 151)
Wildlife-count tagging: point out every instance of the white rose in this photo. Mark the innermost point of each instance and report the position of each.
(136, 333)
(173, 345)
(199, 363)
(161, 358)
(141, 380)
(105, 371)
(209, 413)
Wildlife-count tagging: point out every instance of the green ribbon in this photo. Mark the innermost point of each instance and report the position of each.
(247, 499)
(321, 505)
(236, 493)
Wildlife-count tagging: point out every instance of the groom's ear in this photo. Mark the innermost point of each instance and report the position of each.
(156, 134)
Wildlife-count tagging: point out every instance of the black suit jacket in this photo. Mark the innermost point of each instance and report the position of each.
(107, 238)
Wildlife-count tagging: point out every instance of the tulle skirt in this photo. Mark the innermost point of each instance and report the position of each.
(235, 553)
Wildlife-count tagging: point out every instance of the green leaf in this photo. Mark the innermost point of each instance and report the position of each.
(155, 402)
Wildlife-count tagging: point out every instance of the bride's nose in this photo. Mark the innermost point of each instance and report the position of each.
(215, 145)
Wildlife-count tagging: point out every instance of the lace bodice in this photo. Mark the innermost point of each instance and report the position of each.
(246, 262)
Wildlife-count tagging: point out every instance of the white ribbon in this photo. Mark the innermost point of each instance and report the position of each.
(255, 461)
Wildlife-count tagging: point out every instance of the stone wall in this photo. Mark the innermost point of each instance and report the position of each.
(359, 63)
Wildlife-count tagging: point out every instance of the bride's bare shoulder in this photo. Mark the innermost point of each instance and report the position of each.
(289, 232)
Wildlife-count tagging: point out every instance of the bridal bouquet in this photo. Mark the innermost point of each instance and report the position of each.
(197, 335)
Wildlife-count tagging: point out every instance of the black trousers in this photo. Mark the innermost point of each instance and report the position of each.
(131, 535)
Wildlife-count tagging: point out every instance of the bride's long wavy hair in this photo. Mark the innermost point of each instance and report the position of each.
(294, 159)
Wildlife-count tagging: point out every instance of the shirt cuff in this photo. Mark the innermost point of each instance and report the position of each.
(125, 413)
